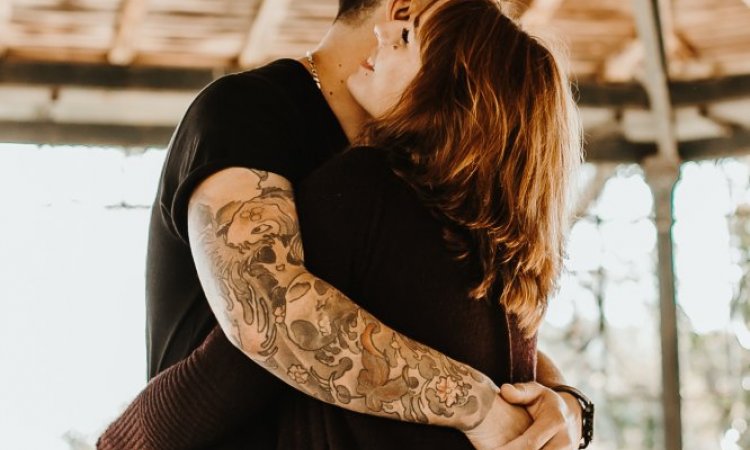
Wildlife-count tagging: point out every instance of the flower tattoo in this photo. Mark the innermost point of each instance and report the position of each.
(450, 391)
(298, 374)
(279, 314)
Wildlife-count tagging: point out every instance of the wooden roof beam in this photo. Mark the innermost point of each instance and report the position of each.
(540, 13)
(93, 134)
(105, 76)
(607, 148)
(131, 16)
(6, 10)
(621, 66)
(589, 93)
(263, 29)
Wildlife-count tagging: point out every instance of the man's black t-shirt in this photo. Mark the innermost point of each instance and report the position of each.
(273, 118)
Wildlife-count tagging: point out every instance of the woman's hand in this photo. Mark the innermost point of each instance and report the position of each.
(503, 423)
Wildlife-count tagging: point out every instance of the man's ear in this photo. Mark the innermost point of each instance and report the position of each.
(400, 9)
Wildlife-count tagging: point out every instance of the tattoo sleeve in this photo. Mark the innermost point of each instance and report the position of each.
(248, 251)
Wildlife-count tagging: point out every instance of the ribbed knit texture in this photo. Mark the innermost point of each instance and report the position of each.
(126, 432)
(191, 404)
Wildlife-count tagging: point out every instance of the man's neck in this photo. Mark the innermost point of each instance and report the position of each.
(337, 56)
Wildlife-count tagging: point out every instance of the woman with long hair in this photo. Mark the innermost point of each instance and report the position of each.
(446, 222)
(488, 134)
(461, 189)
(448, 225)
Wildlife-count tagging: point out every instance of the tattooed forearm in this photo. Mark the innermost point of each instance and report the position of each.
(308, 333)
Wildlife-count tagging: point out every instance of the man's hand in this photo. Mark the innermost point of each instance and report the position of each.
(557, 418)
(501, 425)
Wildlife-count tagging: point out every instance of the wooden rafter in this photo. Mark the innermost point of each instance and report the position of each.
(686, 61)
(103, 76)
(589, 93)
(45, 132)
(123, 49)
(602, 149)
(540, 13)
(5, 14)
(264, 28)
(684, 58)
(620, 66)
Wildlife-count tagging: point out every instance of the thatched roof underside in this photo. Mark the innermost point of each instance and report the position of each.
(704, 38)
(155, 46)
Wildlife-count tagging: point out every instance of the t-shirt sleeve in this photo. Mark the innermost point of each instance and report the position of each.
(239, 120)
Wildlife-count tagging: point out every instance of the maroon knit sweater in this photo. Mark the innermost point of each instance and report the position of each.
(161, 418)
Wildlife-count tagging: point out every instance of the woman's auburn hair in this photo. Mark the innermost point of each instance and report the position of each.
(489, 135)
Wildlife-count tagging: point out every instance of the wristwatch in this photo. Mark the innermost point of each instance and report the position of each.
(587, 413)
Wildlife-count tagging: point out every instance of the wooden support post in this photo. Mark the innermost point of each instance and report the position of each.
(662, 176)
(662, 171)
(657, 84)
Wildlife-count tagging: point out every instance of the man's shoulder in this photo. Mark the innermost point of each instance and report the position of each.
(264, 87)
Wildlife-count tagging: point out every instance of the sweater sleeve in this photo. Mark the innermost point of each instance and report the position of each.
(196, 402)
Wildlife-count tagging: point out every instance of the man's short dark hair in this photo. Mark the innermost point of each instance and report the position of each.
(352, 11)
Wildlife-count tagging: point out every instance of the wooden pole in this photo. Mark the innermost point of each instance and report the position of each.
(661, 176)
(662, 171)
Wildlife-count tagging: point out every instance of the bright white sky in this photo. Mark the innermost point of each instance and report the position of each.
(71, 288)
(72, 264)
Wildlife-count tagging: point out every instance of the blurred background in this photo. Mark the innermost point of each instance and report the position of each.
(653, 314)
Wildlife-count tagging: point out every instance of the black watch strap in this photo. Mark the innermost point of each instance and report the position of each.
(587, 413)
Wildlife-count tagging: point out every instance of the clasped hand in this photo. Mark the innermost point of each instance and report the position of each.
(528, 416)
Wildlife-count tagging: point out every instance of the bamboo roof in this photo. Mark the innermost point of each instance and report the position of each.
(703, 38)
(98, 62)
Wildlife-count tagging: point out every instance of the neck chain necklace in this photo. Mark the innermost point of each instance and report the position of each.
(313, 69)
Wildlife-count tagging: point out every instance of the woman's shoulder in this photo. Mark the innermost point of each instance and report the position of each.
(364, 159)
(357, 168)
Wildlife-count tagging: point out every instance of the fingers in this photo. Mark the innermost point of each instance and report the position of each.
(526, 444)
(535, 438)
(521, 393)
(559, 446)
(561, 441)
